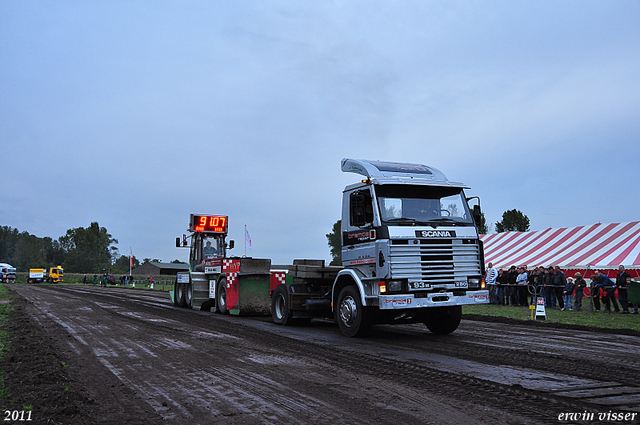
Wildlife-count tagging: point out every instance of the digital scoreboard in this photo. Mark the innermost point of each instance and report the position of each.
(208, 223)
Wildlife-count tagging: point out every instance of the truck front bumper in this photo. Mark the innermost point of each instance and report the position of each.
(404, 301)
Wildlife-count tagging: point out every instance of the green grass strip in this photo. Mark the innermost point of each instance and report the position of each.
(601, 319)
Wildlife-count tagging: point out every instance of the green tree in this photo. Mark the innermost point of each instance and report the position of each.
(335, 243)
(482, 226)
(88, 250)
(513, 220)
(151, 260)
(53, 251)
(8, 240)
(121, 265)
(28, 252)
(25, 251)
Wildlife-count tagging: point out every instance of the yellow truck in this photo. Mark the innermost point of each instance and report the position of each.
(50, 275)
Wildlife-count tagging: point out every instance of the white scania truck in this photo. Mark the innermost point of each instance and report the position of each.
(411, 253)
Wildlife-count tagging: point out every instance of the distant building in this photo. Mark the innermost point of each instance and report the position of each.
(153, 269)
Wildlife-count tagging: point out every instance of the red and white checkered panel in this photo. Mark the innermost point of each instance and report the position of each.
(277, 277)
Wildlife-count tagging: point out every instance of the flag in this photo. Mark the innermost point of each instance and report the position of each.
(130, 258)
(247, 239)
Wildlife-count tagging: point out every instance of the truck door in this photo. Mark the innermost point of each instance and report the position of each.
(359, 234)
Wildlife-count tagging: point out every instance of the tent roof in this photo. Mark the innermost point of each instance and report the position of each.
(595, 246)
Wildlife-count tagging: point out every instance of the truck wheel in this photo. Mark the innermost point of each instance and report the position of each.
(443, 320)
(280, 306)
(353, 318)
(221, 297)
(178, 295)
(188, 295)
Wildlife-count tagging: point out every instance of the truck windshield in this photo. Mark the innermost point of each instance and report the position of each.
(422, 205)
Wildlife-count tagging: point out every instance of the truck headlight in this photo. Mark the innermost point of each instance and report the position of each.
(394, 286)
(474, 282)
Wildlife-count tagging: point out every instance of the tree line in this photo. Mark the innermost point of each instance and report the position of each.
(80, 250)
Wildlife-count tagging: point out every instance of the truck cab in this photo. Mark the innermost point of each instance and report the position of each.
(409, 243)
(411, 253)
(55, 274)
(7, 273)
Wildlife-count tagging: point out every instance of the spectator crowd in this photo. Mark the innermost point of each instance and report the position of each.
(519, 286)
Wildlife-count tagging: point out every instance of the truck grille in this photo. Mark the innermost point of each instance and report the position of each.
(436, 261)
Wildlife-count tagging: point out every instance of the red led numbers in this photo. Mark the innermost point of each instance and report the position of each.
(209, 223)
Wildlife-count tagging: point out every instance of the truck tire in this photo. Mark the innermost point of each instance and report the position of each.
(188, 295)
(354, 319)
(179, 295)
(443, 320)
(280, 311)
(221, 297)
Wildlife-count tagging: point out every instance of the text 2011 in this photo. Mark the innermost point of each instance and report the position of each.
(17, 415)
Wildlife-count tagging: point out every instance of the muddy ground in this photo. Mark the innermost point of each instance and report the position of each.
(90, 355)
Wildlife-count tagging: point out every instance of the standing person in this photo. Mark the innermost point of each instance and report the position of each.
(559, 282)
(492, 275)
(501, 281)
(623, 288)
(568, 294)
(511, 282)
(609, 291)
(550, 295)
(521, 281)
(580, 284)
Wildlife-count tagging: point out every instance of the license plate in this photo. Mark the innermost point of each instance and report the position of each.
(419, 285)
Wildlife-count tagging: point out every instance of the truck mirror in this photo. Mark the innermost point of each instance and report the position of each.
(231, 244)
(177, 242)
(477, 214)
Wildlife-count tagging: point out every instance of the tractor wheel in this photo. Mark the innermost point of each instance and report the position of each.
(221, 297)
(188, 295)
(179, 295)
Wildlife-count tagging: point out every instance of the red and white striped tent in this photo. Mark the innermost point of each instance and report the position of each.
(583, 248)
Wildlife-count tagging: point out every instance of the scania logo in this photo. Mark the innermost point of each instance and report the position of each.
(435, 233)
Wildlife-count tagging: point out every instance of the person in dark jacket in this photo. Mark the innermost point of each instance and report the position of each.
(550, 295)
(559, 282)
(608, 287)
(512, 289)
(623, 289)
(501, 281)
(580, 285)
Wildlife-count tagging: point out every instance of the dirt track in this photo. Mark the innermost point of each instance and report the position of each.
(143, 360)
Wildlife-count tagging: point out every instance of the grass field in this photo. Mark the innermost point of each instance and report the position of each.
(585, 317)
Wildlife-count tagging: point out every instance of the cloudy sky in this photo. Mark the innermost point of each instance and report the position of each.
(136, 114)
